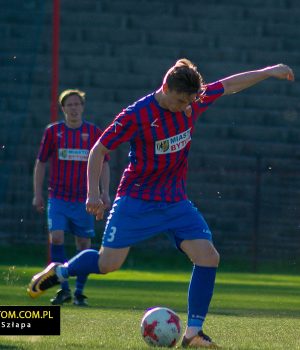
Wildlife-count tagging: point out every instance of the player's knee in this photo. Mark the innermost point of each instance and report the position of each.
(211, 259)
(56, 240)
(108, 266)
(82, 244)
(56, 237)
(216, 259)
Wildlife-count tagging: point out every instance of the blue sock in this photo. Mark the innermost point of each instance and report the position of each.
(80, 282)
(84, 263)
(200, 293)
(57, 254)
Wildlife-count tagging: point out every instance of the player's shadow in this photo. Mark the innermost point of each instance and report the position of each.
(119, 294)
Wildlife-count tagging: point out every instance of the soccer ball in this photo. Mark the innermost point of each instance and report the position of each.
(161, 327)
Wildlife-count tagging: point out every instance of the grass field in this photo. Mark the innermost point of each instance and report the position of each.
(248, 311)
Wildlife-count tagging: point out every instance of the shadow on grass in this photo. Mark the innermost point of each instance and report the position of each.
(230, 299)
(143, 257)
(10, 347)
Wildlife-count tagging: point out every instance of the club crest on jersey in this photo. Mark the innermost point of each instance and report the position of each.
(84, 136)
(162, 146)
(173, 144)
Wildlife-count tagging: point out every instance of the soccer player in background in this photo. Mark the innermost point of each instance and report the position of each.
(151, 196)
(67, 145)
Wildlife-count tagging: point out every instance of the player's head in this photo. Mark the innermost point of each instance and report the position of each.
(183, 77)
(181, 85)
(70, 92)
(72, 104)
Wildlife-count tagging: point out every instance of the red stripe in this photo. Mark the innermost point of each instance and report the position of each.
(60, 172)
(68, 165)
(111, 139)
(54, 164)
(75, 188)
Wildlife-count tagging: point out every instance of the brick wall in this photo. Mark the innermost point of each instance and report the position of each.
(117, 51)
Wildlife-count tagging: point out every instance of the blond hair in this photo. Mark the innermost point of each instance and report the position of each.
(67, 93)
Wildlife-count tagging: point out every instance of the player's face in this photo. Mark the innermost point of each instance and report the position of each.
(178, 101)
(73, 109)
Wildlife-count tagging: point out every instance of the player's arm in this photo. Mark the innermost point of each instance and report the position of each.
(94, 204)
(38, 180)
(104, 182)
(241, 81)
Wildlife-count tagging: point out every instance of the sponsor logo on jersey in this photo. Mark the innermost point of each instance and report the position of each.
(80, 155)
(173, 144)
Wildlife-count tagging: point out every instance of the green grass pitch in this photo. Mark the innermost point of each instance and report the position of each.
(248, 311)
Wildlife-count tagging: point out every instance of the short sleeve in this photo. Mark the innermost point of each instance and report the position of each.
(210, 94)
(46, 148)
(122, 129)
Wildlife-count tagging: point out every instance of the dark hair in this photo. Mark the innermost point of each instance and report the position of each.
(184, 77)
(67, 93)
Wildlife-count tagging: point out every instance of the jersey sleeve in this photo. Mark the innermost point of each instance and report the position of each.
(210, 94)
(46, 146)
(122, 129)
(99, 132)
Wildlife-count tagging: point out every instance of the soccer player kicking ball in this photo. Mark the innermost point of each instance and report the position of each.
(151, 197)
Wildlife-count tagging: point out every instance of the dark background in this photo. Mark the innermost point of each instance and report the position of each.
(244, 163)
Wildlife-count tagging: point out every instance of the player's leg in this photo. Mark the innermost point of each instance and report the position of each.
(205, 259)
(194, 238)
(89, 260)
(82, 226)
(130, 221)
(86, 262)
(57, 224)
(82, 243)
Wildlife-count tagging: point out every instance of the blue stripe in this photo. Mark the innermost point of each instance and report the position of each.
(79, 165)
(155, 157)
(58, 161)
(71, 190)
(184, 156)
(129, 188)
(214, 92)
(119, 135)
(64, 162)
(42, 155)
(167, 135)
(132, 160)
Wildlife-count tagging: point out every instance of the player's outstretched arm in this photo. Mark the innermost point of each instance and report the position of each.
(241, 81)
(94, 204)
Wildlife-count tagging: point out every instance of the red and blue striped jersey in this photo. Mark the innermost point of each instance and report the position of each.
(68, 150)
(159, 146)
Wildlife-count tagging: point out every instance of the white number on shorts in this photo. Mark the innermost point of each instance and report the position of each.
(112, 233)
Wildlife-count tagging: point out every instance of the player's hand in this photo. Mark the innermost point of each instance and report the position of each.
(281, 71)
(95, 207)
(106, 200)
(38, 203)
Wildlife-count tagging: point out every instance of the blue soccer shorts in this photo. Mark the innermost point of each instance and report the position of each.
(70, 217)
(133, 220)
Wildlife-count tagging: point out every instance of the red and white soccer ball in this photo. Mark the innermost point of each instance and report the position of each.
(161, 327)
